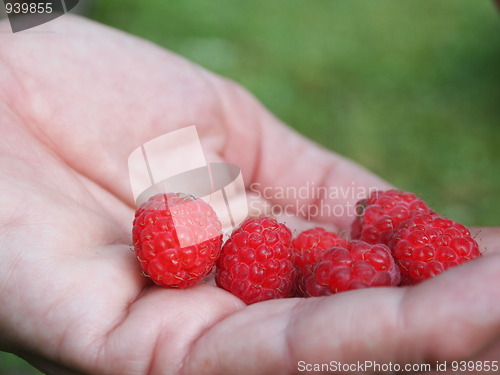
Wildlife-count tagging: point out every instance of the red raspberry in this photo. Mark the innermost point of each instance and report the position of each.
(355, 266)
(379, 214)
(256, 262)
(428, 244)
(177, 239)
(309, 247)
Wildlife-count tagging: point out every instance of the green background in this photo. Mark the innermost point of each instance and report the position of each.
(410, 89)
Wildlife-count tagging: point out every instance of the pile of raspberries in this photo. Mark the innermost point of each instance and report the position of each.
(396, 239)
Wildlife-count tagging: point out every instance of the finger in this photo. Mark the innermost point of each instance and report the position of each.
(453, 316)
(488, 239)
(115, 93)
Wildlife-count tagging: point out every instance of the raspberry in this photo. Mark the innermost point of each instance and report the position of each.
(355, 266)
(379, 215)
(309, 247)
(177, 239)
(256, 262)
(428, 244)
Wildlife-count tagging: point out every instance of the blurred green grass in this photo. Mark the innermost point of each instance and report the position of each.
(409, 89)
(12, 365)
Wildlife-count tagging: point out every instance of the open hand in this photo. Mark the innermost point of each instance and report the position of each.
(75, 99)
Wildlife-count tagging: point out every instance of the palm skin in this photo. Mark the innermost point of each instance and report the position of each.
(75, 99)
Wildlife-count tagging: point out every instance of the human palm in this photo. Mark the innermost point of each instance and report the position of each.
(74, 102)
